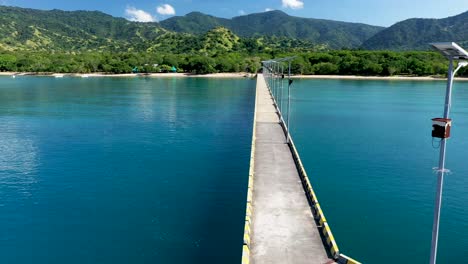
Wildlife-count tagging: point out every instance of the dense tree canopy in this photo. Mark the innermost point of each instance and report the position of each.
(343, 62)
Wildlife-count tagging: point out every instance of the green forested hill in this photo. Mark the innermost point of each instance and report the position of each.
(326, 33)
(56, 30)
(77, 31)
(416, 33)
(194, 23)
(83, 41)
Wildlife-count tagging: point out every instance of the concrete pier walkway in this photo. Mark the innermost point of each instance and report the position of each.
(283, 227)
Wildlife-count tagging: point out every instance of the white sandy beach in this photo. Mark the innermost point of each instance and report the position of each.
(212, 75)
(234, 75)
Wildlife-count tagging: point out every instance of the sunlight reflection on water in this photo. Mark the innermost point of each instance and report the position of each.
(18, 159)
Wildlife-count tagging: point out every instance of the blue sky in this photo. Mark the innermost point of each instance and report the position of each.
(375, 12)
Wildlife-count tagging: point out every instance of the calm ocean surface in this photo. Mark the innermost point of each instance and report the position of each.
(368, 151)
(116, 170)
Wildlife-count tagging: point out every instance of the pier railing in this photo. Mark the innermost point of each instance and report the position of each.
(277, 74)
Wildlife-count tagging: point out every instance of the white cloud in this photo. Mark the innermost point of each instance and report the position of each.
(241, 12)
(293, 4)
(268, 9)
(165, 10)
(139, 15)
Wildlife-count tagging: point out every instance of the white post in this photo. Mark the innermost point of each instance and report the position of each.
(441, 170)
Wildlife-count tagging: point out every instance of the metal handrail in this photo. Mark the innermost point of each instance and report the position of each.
(274, 71)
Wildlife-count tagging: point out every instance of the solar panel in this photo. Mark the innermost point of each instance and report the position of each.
(451, 50)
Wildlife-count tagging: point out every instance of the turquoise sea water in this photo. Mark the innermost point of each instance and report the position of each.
(116, 170)
(368, 151)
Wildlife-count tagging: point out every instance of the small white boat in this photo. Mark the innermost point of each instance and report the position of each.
(13, 76)
(58, 75)
(85, 76)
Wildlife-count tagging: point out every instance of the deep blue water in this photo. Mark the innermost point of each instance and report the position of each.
(368, 151)
(116, 170)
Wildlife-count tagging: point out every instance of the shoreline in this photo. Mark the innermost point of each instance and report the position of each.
(379, 78)
(232, 75)
(132, 75)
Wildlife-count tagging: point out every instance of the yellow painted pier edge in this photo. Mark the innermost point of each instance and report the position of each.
(249, 207)
(313, 201)
(311, 197)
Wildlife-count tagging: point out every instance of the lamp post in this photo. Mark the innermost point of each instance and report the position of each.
(452, 52)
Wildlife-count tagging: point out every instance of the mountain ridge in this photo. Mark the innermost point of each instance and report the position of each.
(32, 29)
(75, 31)
(331, 33)
(417, 33)
(58, 30)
